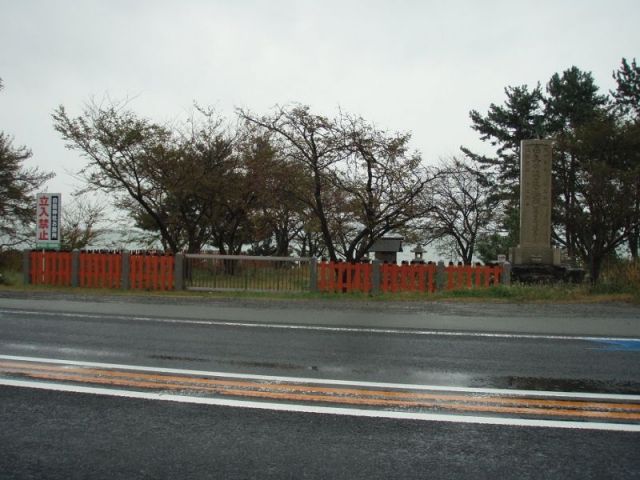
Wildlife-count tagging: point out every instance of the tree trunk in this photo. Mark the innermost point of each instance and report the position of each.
(324, 227)
(633, 243)
(595, 267)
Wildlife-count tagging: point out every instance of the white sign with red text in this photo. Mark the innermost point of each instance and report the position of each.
(48, 216)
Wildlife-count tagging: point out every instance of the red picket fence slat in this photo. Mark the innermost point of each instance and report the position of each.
(388, 278)
(344, 277)
(408, 278)
(467, 276)
(100, 270)
(151, 272)
(50, 268)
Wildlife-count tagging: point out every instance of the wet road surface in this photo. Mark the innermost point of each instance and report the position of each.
(59, 435)
(446, 401)
(427, 357)
(414, 401)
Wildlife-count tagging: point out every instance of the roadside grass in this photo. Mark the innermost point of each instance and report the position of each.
(10, 278)
(520, 293)
(559, 293)
(619, 278)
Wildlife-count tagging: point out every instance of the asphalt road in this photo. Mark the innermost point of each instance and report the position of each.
(72, 435)
(363, 354)
(608, 319)
(65, 436)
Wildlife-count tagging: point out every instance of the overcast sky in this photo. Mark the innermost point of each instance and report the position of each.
(416, 66)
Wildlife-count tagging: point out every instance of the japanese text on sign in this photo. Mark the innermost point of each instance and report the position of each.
(48, 220)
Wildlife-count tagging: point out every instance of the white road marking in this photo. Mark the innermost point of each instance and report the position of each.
(327, 410)
(325, 381)
(321, 328)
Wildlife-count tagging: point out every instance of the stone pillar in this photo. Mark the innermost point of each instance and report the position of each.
(535, 206)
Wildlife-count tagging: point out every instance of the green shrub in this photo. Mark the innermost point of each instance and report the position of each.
(10, 267)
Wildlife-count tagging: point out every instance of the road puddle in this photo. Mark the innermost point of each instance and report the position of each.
(558, 384)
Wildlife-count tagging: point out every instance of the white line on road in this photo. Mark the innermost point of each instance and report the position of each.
(325, 381)
(324, 328)
(326, 410)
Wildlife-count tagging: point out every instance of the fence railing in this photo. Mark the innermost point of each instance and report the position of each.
(251, 273)
(237, 272)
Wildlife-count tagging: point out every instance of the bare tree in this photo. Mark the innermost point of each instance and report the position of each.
(278, 216)
(361, 181)
(82, 223)
(168, 179)
(309, 141)
(462, 208)
(381, 183)
(121, 149)
(18, 186)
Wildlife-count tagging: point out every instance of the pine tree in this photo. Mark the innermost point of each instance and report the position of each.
(627, 103)
(504, 126)
(627, 93)
(596, 165)
(572, 102)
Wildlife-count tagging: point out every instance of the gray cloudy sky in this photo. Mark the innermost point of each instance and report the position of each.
(405, 65)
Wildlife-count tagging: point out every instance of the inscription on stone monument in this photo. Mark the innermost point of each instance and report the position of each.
(535, 193)
(535, 206)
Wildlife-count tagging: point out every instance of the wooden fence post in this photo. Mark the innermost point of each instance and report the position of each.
(178, 271)
(375, 277)
(75, 268)
(313, 274)
(505, 279)
(440, 276)
(125, 270)
(26, 267)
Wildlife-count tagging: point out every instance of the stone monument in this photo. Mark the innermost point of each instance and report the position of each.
(535, 207)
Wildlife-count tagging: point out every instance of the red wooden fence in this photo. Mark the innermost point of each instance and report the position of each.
(344, 277)
(151, 272)
(102, 270)
(356, 277)
(408, 278)
(156, 272)
(467, 276)
(51, 268)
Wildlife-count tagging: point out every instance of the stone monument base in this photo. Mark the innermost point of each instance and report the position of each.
(535, 256)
